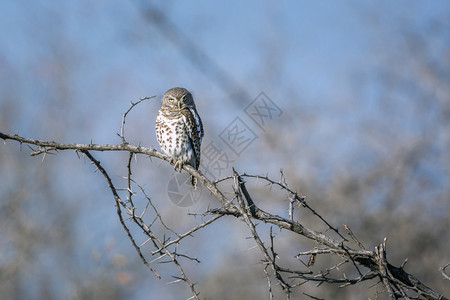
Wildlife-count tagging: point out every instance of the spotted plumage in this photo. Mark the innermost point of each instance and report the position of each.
(179, 129)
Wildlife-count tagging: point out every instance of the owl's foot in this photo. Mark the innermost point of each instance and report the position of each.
(178, 165)
(194, 182)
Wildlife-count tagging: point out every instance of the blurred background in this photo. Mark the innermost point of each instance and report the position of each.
(363, 131)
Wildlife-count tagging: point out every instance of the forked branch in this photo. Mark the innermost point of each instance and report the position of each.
(362, 263)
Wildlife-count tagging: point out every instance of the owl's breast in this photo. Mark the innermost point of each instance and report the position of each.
(173, 138)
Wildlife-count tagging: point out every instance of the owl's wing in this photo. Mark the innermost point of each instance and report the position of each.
(194, 128)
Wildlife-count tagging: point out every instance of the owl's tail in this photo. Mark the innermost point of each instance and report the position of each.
(194, 182)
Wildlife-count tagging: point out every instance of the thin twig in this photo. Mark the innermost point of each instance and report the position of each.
(122, 127)
(349, 231)
(243, 210)
(119, 211)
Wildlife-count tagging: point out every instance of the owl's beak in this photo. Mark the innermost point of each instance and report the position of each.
(179, 105)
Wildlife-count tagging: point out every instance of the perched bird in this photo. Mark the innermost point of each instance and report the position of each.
(179, 129)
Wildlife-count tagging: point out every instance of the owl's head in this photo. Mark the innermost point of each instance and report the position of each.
(178, 97)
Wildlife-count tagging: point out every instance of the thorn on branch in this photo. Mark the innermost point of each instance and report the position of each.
(442, 269)
(312, 297)
(404, 263)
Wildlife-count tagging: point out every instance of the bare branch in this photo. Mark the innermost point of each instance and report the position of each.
(244, 209)
(119, 211)
(350, 233)
(382, 263)
(368, 264)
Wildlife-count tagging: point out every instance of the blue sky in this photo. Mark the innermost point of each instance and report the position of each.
(115, 56)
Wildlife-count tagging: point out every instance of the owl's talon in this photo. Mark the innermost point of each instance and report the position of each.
(178, 165)
(172, 160)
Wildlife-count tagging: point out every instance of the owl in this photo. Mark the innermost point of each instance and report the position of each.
(179, 129)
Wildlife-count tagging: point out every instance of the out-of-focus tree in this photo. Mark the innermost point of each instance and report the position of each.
(393, 178)
(39, 212)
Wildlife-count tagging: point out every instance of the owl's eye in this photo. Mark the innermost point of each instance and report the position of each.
(171, 100)
(183, 98)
